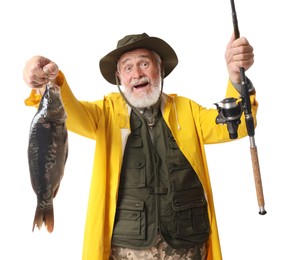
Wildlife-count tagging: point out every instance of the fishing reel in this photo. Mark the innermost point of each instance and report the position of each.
(230, 112)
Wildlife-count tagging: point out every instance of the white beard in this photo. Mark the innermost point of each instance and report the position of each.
(146, 99)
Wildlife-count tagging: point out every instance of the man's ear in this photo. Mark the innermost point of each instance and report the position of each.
(118, 81)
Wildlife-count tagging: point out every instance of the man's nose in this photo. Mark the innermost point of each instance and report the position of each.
(137, 72)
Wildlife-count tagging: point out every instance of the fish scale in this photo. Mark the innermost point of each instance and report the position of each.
(47, 154)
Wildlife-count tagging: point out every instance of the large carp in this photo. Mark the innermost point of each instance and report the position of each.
(47, 154)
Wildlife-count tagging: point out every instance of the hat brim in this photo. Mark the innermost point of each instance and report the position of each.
(108, 64)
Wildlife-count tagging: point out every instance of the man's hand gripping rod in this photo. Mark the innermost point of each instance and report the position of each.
(246, 106)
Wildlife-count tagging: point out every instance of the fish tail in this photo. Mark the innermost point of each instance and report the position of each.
(44, 216)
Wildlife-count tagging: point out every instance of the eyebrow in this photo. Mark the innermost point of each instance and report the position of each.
(140, 56)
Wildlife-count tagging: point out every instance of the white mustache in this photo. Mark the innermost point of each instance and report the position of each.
(140, 81)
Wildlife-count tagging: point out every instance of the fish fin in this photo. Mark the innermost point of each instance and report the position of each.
(55, 192)
(44, 216)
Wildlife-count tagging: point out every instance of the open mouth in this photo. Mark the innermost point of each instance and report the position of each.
(141, 85)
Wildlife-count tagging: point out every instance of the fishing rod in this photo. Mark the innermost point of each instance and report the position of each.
(246, 107)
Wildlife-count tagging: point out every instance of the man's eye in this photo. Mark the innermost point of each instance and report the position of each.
(128, 68)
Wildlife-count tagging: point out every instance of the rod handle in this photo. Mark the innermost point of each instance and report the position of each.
(258, 180)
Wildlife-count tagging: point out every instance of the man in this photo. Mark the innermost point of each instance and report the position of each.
(150, 194)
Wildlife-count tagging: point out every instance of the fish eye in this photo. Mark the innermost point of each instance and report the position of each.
(46, 95)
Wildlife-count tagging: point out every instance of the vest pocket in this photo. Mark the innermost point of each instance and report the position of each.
(133, 174)
(190, 218)
(130, 220)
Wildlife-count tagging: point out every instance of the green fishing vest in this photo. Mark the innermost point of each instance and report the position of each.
(159, 192)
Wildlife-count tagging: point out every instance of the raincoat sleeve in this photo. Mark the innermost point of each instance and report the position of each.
(33, 99)
(218, 133)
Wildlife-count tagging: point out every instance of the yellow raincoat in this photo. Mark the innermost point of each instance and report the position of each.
(107, 122)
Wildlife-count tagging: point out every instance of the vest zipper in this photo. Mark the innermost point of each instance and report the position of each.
(157, 183)
(156, 177)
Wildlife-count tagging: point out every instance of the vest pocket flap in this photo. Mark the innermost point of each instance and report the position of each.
(131, 205)
(183, 205)
(190, 219)
(133, 174)
(129, 221)
(136, 164)
(178, 163)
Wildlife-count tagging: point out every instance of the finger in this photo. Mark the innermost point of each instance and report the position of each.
(240, 42)
(245, 64)
(229, 45)
(35, 78)
(51, 70)
(247, 56)
(242, 51)
(244, 61)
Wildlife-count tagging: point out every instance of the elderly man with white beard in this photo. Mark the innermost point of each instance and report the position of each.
(150, 195)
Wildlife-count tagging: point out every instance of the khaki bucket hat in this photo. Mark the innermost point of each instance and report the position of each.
(108, 64)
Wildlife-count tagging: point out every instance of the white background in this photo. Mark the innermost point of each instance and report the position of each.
(76, 34)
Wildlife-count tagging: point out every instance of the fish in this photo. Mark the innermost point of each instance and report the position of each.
(47, 154)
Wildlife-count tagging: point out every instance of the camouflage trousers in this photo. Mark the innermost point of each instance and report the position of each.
(160, 251)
